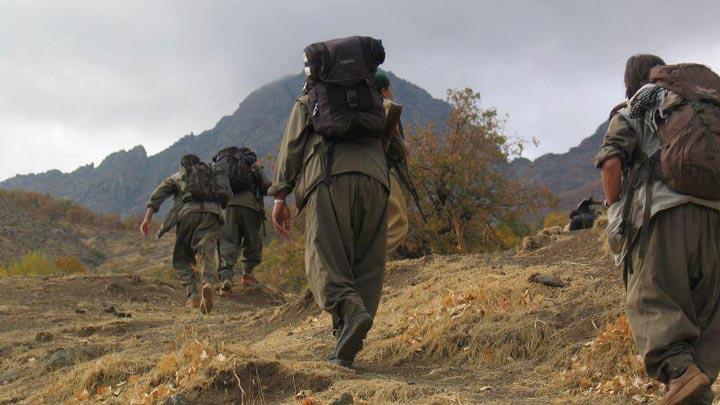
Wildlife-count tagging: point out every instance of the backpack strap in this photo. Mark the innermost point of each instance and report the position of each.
(646, 173)
(329, 160)
(652, 167)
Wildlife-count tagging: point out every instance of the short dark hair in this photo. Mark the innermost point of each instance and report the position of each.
(189, 160)
(637, 71)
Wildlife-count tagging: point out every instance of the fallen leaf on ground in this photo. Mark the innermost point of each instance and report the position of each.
(102, 391)
(82, 395)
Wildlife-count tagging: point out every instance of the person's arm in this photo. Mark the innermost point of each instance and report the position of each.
(288, 166)
(618, 146)
(612, 179)
(224, 191)
(292, 151)
(147, 220)
(168, 188)
(263, 180)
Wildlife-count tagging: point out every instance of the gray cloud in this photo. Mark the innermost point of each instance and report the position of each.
(80, 79)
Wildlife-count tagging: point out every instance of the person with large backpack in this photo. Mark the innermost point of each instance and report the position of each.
(660, 163)
(332, 158)
(199, 194)
(244, 215)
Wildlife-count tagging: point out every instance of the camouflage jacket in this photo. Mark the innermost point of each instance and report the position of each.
(170, 187)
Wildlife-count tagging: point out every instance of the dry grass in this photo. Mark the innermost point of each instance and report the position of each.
(382, 391)
(491, 321)
(218, 373)
(454, 329)
(100, 377)
(475, 314)
(606, 366)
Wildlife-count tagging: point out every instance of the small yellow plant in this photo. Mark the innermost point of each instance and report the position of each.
(555, 219)
(32, 264)
(37, 264)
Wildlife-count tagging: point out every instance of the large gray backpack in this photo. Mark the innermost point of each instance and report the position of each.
(236, 163)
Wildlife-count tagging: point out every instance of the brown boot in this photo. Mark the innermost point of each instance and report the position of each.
(206, 302)
(683, 389)
(248, 280)
(193, 301)
(225, 288)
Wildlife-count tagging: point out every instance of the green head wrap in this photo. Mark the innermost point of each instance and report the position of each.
(381, 81)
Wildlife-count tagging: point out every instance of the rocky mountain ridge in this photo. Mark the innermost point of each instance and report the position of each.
(122, 182)
(124, 179)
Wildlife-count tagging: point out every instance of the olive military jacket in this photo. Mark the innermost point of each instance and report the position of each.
(626, 138)
(301, 161)
(253, 199)
(629, 139)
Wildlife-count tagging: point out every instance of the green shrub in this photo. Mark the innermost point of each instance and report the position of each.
(33, 264)
(283, 265)
(38, 264)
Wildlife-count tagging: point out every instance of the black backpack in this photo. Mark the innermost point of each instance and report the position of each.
(343, 101)
(237, 164)
(197, 183)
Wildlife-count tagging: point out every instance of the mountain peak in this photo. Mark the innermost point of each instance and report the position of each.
(124, 179)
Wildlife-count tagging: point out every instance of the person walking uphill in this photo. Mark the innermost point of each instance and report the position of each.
(199, 194)
(664, 219)
(244, 215)
(332, 158)
(394, 144)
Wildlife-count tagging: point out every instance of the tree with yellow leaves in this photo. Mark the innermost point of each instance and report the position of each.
(466, 187)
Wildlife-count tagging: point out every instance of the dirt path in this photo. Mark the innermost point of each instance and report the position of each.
(50, 325)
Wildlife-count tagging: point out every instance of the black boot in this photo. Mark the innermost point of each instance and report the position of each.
(350, 341)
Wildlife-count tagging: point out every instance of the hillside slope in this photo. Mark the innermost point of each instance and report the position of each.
(123, 181)
(60, 229)
(571, 176)
(452, 329)
(23, 231)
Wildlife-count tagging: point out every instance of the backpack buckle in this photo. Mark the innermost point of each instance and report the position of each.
(352, 98)
(316, 109)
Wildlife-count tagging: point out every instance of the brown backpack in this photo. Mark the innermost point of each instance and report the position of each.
(690, 135)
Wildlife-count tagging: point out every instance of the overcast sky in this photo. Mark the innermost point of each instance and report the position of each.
(81, 79)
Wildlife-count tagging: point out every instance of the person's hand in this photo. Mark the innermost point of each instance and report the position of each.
(145, 228)
(281, 218)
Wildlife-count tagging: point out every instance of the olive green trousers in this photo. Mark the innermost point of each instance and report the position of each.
(673, 292)
(346, 243)
(240, 235)
(197, 238)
